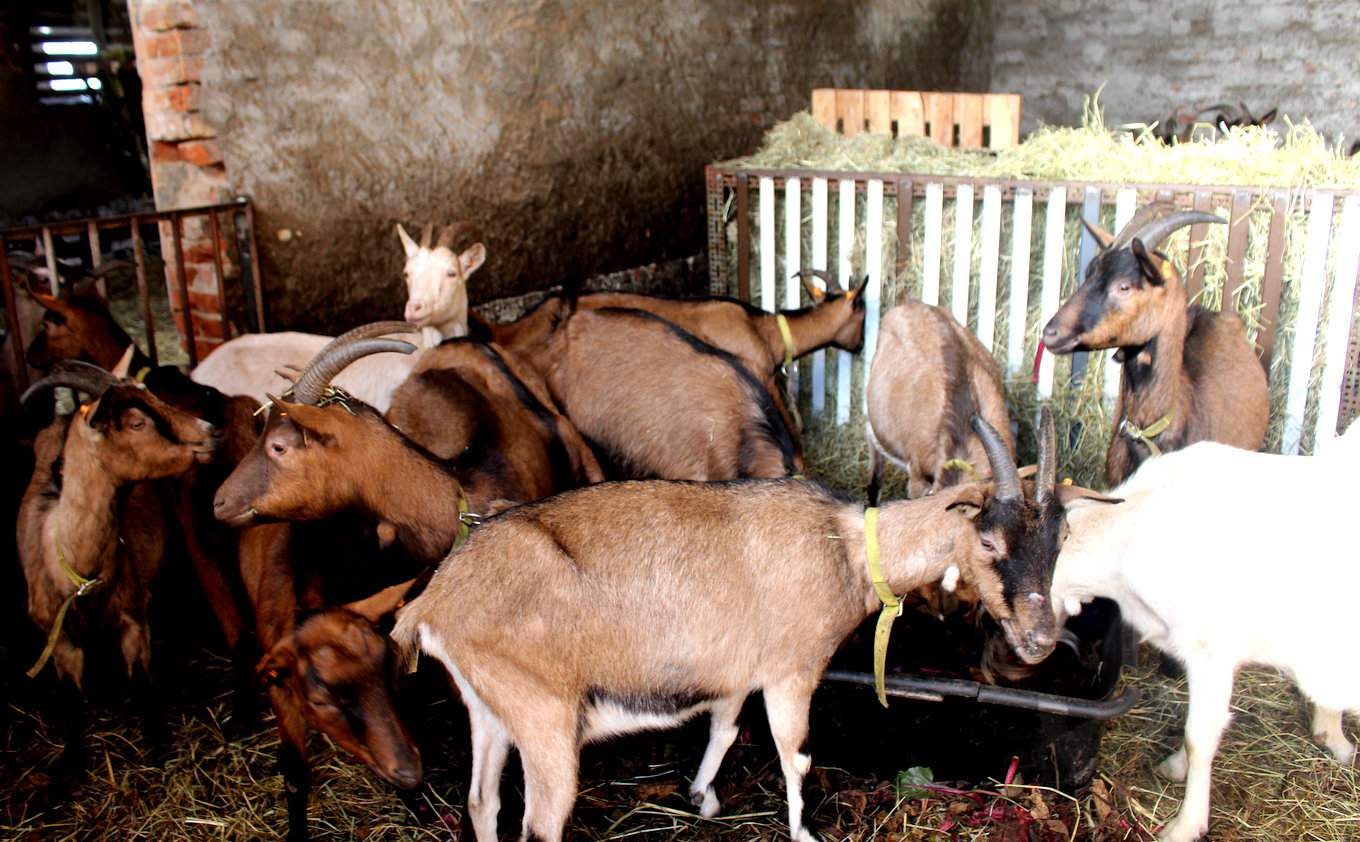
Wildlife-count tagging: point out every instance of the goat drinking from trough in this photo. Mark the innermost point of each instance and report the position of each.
(1244, 590)
(653, 601)
(1188, 373)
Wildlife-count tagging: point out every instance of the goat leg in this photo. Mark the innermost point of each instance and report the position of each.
(1210, 696)
(786, 706)
(722, 731)
(297, 775)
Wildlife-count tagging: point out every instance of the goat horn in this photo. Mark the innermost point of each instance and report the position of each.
(425, 235)
(1047, 473)
(340, 352)
(73, 374)
(832, 284)
(451, 232)
(1003, 467)
(1157, 221)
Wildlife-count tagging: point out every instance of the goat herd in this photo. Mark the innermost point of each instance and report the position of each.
(450, 501)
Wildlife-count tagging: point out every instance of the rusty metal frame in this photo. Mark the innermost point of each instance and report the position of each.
(247, 255)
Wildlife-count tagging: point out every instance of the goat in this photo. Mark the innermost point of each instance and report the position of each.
(1188, 374)
(75, 531)
(656, 400)
(248, 365)
(654, 601)
(928, 377)
(1181, 125)
(436, 279)
(1242, 591)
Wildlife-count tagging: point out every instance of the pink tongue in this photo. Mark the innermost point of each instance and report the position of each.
(1038, 356)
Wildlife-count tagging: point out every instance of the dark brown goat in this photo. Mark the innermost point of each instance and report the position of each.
(656, 400)
(80, 544)
(82, 328)
(1188, 375)
(929, 376)
(1184, 121)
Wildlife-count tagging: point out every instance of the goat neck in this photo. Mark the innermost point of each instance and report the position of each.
(823, 325)
(84, 521)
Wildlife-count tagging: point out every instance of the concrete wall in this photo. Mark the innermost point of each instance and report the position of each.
(1152, 55)
(573, 133)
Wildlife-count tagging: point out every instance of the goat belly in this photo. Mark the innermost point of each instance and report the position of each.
(610, 714)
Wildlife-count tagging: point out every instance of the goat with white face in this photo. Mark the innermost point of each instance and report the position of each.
(1216, 556)
(650, 602)
(436, 279)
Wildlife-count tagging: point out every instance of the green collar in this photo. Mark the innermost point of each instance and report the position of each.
(1147, 434)
(892, 606)
(786, 335)
(962, 465)
(82, 587)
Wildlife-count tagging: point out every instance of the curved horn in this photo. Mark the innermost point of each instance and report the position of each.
(1154, 223)
(425, 235)
(73, 374)
(1047, 475)
(345, 349)
(803, 275)
(1003, 467)
(451, 233)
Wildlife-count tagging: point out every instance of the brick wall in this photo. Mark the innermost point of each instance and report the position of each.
(186, 164)
(1153, 55)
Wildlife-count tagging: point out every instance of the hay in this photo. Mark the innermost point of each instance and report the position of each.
(1246, 157)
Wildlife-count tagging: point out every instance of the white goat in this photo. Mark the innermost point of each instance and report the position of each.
(247, 365)
(1223, 557)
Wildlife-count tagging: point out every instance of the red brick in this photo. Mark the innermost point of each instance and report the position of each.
(166, 71)
(209, 325)
(165, 153)
(178, 98)
(206, 302)
(160, 15)
(206, 345)
(201, 152)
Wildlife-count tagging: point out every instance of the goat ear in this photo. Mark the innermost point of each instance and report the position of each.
(407, 244)
(1102, 237)
(966, 499)
(472, 259)
(1149, 262)
(311, 420)
(277, 664)
(124, 363)
(1070, 494)
(859, 290)
(380, 605)
(1267, 118)
(813, 291)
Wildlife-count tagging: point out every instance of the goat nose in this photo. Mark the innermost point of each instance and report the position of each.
(1050, 332)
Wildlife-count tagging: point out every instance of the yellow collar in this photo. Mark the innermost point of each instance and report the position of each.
(786, 335)
(1150, 432)
(962, 465)
(892, 606)
(82, 587)
(142, 372)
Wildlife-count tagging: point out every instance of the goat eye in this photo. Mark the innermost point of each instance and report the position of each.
(1124, 288)
(987, 543)
(278, 448)
(136, 423)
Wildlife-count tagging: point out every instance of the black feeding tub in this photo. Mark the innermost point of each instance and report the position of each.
(939, 716)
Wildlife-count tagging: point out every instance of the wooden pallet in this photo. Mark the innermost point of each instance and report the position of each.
(969, 121)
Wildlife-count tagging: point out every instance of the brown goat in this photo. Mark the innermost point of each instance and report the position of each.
(88, 549)
(655, 601)
(1188, 374)
(929, 376)
(657, 401)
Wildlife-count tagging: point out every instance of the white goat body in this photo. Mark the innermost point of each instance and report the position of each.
(1223, 557)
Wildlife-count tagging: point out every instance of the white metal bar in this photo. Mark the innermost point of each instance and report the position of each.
(793, 258)
(930, 250)
(1305, 324)
(1125, 204)
(873, 265)
(963, 252)
(845, 245)
(1338, 327)
(990, 266)
(767, 255)
(1020, 234)
(1051, 291)
(819, 222)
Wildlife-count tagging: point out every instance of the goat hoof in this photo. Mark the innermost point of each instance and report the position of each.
(706, 800)
(1173, 768)
(1183, 831)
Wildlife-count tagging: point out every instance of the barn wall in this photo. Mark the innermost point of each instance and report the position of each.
(1153, 56)
(574, 133)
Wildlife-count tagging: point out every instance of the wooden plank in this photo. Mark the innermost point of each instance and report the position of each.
(1125, 204)
(990, 264)
(1337, 328)
(909, 112)
(845, 245)
(968, 114)
(873, 267)
(766, 254)
(1020, 251)
(793, 260)
(824, 107)
(1194, 282)
(1272, 284)
(744, 237)
(1003, 120)
(904, 222)
(1237, 247)
(939, 110)
(1050, 294)
(1091, 205)
(850, 110)
(819, 244)
(934, 234)
(1311, 283)
(878, 112)
(963, 253)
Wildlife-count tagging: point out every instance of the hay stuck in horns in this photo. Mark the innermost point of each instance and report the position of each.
(1246, 157)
